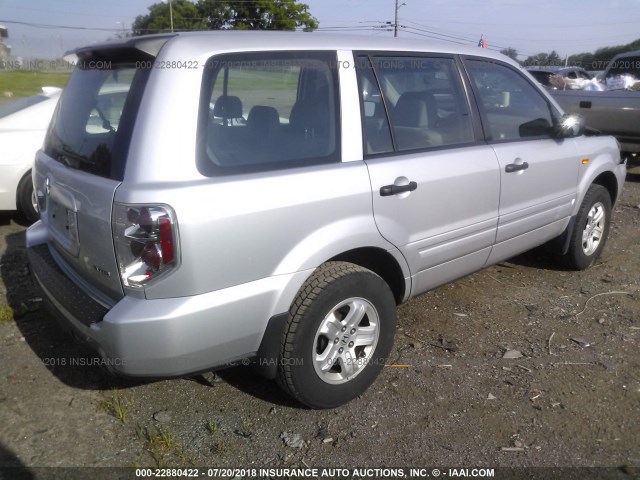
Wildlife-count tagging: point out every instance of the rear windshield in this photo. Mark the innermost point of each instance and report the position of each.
(91, 128)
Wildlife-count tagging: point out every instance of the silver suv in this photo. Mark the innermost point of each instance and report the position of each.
(214, 198)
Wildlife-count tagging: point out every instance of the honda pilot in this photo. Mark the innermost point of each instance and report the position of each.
(213, 198)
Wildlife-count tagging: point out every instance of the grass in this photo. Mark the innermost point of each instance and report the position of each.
(212, 427)
(6, 314)
(160, 443)
(23, 83)
(218, 447)
(117, 407)
(159, 439)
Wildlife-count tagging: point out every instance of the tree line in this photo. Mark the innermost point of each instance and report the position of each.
(597, 60)
(185, 15)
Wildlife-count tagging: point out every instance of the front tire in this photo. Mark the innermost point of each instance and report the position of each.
(339, 335)
(590, 230)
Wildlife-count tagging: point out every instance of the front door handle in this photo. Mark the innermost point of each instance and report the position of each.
(516, 167)
(389, 190)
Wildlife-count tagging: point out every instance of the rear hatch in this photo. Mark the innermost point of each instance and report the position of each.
(83, 163)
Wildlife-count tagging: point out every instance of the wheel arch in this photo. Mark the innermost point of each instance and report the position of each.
(354, 239)
(609, 181)
(382, 263)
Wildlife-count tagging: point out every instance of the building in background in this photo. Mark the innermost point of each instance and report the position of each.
(5, 49)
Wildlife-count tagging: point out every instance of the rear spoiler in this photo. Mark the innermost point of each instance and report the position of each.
(148, 44)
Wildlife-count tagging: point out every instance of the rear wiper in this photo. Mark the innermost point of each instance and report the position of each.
(68, 157)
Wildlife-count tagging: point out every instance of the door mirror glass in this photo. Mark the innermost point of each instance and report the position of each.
(570, 125)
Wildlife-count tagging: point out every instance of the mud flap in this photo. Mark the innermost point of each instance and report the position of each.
(560, 244)
(268, 356)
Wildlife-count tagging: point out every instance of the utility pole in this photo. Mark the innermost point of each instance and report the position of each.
(171, 14)
(124, 32)
(395, 23)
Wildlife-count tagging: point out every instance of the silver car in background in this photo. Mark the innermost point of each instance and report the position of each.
(274, 196)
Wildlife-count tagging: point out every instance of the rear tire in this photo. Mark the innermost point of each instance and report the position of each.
(26, 199)
(590, 230)
(339, 335)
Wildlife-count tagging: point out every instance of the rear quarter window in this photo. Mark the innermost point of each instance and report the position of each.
(268, 110)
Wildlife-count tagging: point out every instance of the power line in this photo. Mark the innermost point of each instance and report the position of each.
(40, 10)
(454, 37)
(67, 27)
(469, 40)
(349, 29)
(432, 36)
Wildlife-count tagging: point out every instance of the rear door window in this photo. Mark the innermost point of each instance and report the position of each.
(268, 110)
(421, 98)
(91, 128)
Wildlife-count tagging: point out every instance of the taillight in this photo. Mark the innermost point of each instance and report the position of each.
(145, 238)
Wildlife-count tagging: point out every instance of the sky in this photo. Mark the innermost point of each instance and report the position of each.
(48, 28)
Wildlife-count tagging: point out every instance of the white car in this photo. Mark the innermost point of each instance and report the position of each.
(23, 125)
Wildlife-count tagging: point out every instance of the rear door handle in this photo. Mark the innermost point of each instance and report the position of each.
(516, 167)
(389, 190)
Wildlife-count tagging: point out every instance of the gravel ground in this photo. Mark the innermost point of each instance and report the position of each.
(569, 398)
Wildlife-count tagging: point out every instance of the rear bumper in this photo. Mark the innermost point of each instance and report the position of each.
(161, 337)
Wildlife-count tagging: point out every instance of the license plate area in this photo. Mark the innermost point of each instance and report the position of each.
(63, 222)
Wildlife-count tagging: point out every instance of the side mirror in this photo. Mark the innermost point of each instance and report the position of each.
(570, 125)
